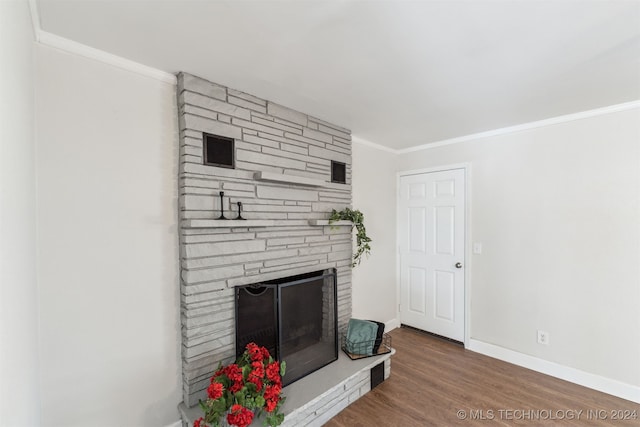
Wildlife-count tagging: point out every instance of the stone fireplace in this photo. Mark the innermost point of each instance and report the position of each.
(282, 171)
(282, 177)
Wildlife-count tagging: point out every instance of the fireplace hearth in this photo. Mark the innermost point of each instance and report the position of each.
(294, 317)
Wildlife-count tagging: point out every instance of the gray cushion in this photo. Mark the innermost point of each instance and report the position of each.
(361, 336)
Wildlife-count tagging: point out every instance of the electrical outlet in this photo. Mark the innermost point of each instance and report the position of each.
(543, 337)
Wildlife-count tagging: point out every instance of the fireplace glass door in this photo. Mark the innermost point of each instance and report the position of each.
(294, 317)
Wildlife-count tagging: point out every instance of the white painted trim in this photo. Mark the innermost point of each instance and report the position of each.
(392, 324)
(466, 167)
(175, 424)
(398, 295)
(370, 144)
(525, 126)
(70, 46)
(434, 169)
(576, 376)
(35, 19)
(468, 243)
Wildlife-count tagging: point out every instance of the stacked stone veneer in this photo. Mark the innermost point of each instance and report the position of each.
(268, 138)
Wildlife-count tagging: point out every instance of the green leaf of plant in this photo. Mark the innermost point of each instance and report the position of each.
(362, 240)
(219, 405)
(240, 397)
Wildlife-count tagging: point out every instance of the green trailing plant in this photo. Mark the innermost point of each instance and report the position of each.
(362, 240)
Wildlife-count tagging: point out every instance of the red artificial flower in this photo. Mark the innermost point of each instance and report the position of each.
(271, 404)
(265, 353)
(255, 367)
(257, 374)
(254, 352)
(272, 391)
(215, 390)
(239, 416)
(273, 372)
(236, 387)
(258, 369)
(234, 372)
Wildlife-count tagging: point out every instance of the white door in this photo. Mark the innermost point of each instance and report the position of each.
(431, 238)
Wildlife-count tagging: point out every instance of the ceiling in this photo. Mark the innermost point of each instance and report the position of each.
(398, 73)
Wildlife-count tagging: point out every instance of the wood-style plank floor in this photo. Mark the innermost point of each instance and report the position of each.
(435, 382)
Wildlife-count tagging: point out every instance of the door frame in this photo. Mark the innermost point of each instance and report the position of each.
(467, 238)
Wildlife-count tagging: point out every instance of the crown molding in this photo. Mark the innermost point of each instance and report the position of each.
(526, 126)
(35, 19)
(51, 40)
(370, 144)
(70, 46)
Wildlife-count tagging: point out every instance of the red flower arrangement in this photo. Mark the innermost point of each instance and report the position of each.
(244, 389)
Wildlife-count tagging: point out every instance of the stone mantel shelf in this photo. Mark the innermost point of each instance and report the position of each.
(234, 223)
(322, 222)
(288, 179)
(227, 223)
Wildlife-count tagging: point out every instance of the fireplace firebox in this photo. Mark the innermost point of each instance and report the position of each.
(294, 317)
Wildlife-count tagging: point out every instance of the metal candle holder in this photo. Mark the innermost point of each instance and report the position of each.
(222, 206)
(240, 211)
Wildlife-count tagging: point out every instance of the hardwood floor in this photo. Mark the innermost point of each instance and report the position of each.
(433, 379)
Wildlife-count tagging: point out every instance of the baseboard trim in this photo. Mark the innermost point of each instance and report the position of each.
(176, 424)
(391, 324)
(576, 376)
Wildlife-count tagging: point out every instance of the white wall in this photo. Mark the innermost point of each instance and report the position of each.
(108, 246)
(557, 211)
(374, 193)
(19, 396)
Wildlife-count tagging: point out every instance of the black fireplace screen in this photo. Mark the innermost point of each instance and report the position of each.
(295, 318)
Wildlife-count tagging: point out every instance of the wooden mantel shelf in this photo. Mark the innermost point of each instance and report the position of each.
(322, 222)
(227, 223)
(288, 179)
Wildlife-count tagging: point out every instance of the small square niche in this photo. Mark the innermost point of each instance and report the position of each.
(338, 172)
(218, 151)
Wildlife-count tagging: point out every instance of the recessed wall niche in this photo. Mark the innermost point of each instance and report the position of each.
(218, 151)
(338, 172)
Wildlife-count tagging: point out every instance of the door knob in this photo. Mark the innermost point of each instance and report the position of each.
(458, 265)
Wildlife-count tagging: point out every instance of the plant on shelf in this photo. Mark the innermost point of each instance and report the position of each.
(362, 240)
(244, 389)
